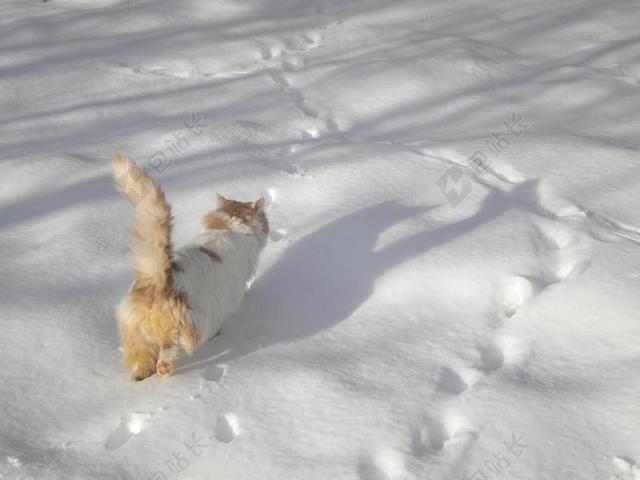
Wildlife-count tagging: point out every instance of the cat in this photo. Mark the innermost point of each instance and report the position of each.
(180, 298)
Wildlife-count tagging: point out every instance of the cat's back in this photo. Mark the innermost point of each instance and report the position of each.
(213, 271)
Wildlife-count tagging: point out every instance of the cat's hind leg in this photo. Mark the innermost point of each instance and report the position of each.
(141, 359)
(167, 359)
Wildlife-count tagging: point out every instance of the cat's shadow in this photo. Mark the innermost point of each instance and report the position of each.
(325, 276)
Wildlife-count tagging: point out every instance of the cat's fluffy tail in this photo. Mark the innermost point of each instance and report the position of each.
(152, 222)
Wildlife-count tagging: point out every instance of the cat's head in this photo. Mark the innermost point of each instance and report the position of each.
(232, 213)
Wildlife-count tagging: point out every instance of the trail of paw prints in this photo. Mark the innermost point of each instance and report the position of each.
(289, 57)
(565, 250)
(305, 106)
(280, 158)
(562, 255)
(429, 436)
(281, 59)
(499, 348)
(513, 298)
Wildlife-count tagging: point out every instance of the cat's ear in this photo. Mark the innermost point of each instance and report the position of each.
(259, 204)
(221, 200)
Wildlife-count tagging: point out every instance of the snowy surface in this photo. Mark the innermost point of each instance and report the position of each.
(413, 318)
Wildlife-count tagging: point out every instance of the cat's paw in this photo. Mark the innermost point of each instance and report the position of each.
(164, 368)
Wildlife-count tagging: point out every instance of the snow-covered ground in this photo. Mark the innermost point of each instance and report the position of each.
(452, 289)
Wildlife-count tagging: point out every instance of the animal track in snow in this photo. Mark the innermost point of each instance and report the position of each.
(267, 53)
(553, 235)
(451, 381)
(279, 79)
(491, 356)
(516, 292)
(569, 253)
(294, 94)
(630, 469)
(314, 38)
(383, 464)
(291, 62)
(214, 373)
(301, 44)
(226, 429)
(305, 42)
(332, 125)
(457, 380)
(126, 429)
(571, 268)
(570, 262)
(503, 350)
(430, 435)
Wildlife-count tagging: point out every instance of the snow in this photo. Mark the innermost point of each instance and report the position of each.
(451, 289)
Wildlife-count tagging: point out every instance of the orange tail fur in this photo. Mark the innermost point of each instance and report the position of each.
(152, 222)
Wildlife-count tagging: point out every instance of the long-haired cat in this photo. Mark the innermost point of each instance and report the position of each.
(181, 298)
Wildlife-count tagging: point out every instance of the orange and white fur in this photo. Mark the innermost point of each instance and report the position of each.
(181, 298)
